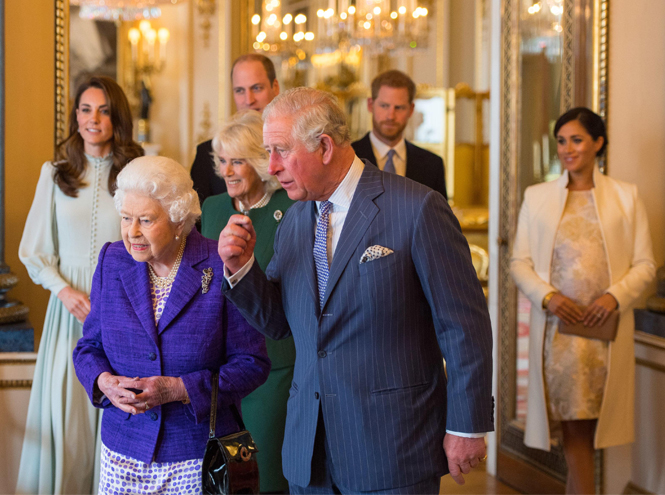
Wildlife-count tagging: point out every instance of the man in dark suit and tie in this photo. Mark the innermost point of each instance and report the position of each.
(391, 106)
(373, 278)
(254, 86)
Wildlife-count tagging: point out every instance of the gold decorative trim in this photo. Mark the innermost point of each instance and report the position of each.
(510, 75)
(18, 361)
(15, 383)
(206, 10)
(61, 69)
(601, 45)
(568, 62)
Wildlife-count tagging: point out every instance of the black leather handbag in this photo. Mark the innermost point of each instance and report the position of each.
(229, 463)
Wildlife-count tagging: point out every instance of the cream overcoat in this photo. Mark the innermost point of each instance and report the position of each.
(627, 241)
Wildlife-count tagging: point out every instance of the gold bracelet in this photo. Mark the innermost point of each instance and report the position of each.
(548, 298)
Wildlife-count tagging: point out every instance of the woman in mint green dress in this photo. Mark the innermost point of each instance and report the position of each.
(242, 162)
(71, 217)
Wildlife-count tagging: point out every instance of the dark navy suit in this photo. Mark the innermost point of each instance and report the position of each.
(421, 165)
(197, 333)
(206, 181)
(371, 359)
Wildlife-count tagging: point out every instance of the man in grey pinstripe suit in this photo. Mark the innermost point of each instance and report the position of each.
(370, 408)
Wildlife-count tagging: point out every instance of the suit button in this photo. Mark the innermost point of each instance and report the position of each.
(153, 416)
(322, 354)
(152, 356)
(316, 395)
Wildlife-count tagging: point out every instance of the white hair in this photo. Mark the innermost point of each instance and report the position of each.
(314, 113)
(163, 180)
(242, 137)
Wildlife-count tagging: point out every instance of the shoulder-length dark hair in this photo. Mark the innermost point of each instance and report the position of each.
(70, 161)
(591, 121)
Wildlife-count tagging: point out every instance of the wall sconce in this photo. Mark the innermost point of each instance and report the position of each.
(148, 56)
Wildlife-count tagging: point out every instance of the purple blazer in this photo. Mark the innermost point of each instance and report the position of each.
(197, 333)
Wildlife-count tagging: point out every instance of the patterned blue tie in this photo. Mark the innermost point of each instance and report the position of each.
(321, 249)
(390, 166)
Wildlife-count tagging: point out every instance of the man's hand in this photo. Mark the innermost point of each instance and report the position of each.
(463, 454)
(236, 243)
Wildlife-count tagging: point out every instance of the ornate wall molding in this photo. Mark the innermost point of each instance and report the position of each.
(509, 77)
(206, 9)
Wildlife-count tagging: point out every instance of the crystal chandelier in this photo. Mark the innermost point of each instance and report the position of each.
(372, 25)
(121, 10)
(378, 26)
(276, 34)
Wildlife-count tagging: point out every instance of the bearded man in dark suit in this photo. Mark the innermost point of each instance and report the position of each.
(391, 106)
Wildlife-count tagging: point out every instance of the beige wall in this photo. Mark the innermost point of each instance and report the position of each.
(636, 126)
(636, 121)
(29, 129)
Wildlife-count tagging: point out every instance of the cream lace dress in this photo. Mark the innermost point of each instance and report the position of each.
(575, 368)
(60, 245)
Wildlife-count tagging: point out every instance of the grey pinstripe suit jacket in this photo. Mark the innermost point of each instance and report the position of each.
(371, 359)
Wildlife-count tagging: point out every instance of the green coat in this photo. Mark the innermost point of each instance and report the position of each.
(264, 410)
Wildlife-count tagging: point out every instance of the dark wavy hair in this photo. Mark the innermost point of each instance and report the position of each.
(591, 121)
(70, 161)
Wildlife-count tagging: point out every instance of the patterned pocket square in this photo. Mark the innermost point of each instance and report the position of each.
(374, 253)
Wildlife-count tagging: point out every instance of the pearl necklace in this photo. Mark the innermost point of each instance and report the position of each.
(259, 204)
(164, 282)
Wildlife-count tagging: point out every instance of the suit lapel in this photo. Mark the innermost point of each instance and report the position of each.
(410, 160)
(137, 287)
(366, 150)
(187, 282)
(361, 214)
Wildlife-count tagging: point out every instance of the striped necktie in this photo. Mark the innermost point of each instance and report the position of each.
(321, 249)
(390, 166)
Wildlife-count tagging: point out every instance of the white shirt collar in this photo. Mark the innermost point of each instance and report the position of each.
(382, 148)
(343, 195)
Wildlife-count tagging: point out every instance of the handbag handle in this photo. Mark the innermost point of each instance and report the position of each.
(213, 408)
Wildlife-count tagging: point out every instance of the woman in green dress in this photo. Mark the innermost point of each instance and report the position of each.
(242, 162)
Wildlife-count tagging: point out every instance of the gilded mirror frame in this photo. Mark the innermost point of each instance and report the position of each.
(61, 83)
(511, 435)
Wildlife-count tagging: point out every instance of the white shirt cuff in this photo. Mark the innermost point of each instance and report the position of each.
(239, 275)
(466, 435)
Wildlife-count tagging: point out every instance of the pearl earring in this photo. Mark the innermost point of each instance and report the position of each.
(177, 237)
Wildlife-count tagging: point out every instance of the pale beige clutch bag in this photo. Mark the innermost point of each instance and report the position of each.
(607, 331)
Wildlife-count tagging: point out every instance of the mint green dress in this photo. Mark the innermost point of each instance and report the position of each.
(60, 245)
(264, 410)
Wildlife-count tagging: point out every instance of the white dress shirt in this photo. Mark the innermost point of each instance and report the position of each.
(381, 150)
(341, 201)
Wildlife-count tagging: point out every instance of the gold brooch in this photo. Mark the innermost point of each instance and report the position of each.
(278, 215)
(206, 279)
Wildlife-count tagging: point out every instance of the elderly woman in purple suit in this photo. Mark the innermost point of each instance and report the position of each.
(159, 327)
